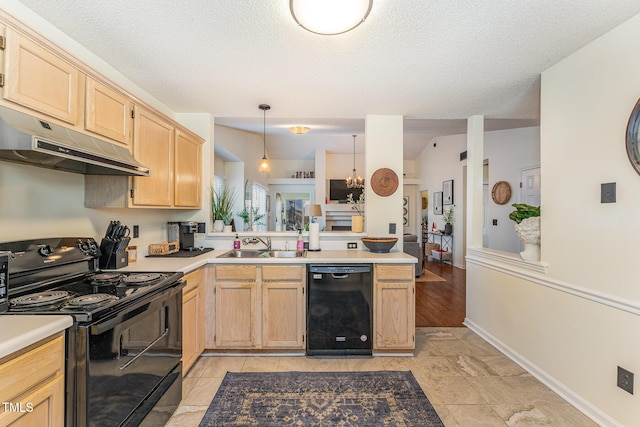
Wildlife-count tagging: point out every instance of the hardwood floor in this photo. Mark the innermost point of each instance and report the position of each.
(441, 304)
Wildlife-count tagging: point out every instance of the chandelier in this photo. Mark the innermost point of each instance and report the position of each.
(354, 182)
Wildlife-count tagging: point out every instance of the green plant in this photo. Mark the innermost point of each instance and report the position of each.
(523, 211)
(356, 205)
(447, 216)
(222, 202)
(250, 216)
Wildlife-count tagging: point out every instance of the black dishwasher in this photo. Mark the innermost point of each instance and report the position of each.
(339, 310)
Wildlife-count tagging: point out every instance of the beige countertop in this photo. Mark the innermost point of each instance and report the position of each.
(186, 265)
(18, 332)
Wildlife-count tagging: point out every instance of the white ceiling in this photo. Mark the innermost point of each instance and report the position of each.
(434, 62)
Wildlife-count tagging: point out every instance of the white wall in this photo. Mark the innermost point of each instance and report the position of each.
(508, 151)
(441, 163)
(246, 146)
(575, 324)
(383, 132)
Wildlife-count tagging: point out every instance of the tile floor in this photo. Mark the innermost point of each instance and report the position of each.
(469, 382)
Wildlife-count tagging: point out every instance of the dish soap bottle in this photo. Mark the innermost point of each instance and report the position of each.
(300, 242)
(236, 243)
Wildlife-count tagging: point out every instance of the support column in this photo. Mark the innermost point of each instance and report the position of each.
(475, 160)
(383, 149)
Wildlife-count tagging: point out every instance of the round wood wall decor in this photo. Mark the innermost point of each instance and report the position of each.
(501, 192)
(384, 182)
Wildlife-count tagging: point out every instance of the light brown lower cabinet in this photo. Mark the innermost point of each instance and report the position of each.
(32, 385)
(283, 306)
(193, 319)
(259, 307)
(394, 307)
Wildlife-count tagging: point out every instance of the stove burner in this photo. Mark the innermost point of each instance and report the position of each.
(39, 299)
(89, 301)
(141, 279)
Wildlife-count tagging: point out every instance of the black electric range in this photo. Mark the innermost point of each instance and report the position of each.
(124, 348)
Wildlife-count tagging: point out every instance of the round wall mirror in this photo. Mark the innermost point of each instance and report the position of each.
(633, 137)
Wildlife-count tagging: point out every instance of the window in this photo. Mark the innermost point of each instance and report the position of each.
(260, 204)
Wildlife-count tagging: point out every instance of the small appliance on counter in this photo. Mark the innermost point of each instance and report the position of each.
(113, 247)
(180, 235)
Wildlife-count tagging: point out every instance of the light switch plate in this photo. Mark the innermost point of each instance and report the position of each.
(608, 192)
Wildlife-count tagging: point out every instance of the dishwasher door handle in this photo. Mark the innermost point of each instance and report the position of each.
(339, 276)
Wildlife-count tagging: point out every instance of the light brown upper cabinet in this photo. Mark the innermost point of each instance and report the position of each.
(107, 112)
(38, 79)
(153, 146)
(188, 170)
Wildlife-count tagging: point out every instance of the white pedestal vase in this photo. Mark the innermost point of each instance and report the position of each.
(529, 233)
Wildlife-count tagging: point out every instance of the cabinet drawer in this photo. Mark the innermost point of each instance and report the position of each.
(394, 272)
(193, 279)
(282, 272)
(27, 370)
(236, 272)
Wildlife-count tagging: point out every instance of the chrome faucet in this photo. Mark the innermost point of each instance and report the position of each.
(254, 240)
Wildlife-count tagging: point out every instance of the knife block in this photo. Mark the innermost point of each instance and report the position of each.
(113, 254)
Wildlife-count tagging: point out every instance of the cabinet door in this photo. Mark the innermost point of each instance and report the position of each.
(107, 112)
(46, 407)
(190, 327)
(394, 307)
(236, 314)
(153, 147)
(188, 171)
(38, 79)
(283, 315)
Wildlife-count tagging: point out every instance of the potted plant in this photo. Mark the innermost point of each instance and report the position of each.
(447, 217)
(221, 205)
(251, 217)
(527, 225)
(357, 221)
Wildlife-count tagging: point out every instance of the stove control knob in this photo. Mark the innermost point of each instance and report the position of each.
(45, 250)
(89, 247)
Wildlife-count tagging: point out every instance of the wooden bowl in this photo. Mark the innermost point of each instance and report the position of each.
(379, 245)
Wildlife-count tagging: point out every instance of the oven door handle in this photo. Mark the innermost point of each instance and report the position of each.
(339, 276)
(126, 365)
(122, 319)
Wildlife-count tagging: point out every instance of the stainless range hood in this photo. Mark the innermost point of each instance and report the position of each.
(26, 139)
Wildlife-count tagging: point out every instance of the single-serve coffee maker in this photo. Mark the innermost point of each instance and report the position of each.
(186, 233)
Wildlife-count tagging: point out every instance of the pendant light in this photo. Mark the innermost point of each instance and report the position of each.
(264, 163)
(354, 182)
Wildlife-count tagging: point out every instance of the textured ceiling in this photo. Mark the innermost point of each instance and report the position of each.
(423, 59)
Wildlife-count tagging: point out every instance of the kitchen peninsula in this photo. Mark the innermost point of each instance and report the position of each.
(269, 300)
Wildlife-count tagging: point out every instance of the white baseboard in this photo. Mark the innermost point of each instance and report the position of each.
(567, 394)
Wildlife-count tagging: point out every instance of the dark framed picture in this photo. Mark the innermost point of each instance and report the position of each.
(447, 192)
(437, 203)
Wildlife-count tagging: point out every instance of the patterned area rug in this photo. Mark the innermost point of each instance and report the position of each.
(320, 399)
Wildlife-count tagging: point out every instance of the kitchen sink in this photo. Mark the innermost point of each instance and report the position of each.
(252, 253)
(244, 253)
(288, 254)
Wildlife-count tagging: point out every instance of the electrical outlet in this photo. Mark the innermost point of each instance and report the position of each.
(352, 245)
(625, 380)
(136, 231)
(494, 221)
(608, 192)
(392, 228)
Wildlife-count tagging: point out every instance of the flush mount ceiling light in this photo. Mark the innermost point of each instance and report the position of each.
(354, 182)
(264, 163)
(299, 130)
(328, 17)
